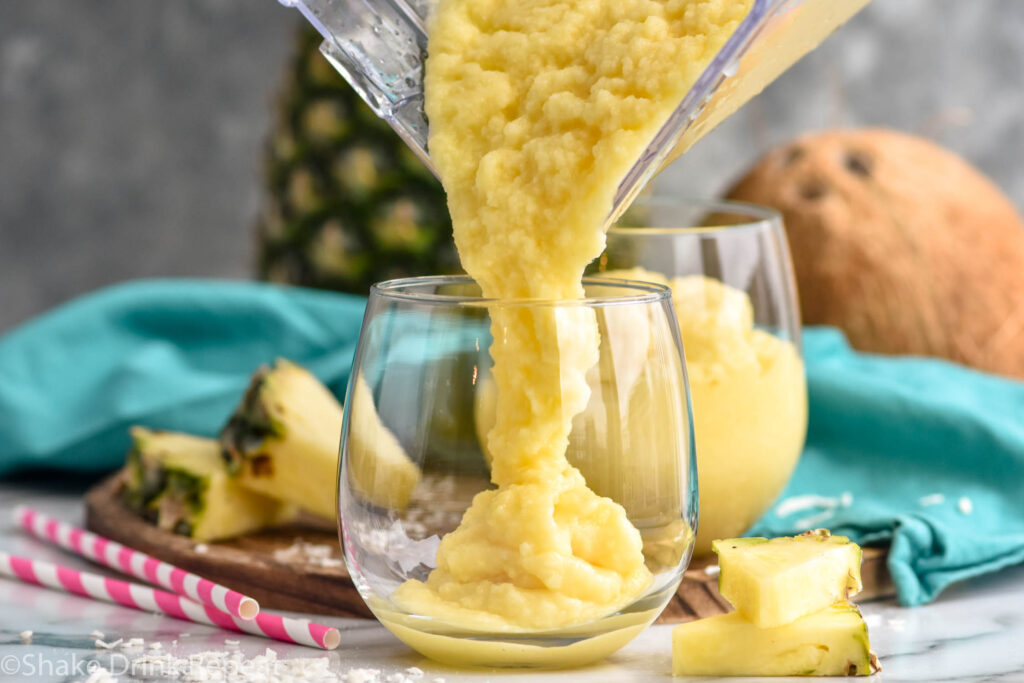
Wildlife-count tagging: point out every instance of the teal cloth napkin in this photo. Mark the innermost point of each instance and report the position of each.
(167, 354)
(925, 454)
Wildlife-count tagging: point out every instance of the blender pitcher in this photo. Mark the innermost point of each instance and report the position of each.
(379, 46)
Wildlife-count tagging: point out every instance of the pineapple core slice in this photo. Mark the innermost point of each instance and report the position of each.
(830, 642)
(283, 442)
(180, 483)
(774, 582)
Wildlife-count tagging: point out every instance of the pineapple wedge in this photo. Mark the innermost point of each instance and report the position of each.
(283, 442)
(774, 582)
(180, 483)
(378, 467)
(831, 642)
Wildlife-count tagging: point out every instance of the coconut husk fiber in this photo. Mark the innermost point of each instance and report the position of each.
(902, 244)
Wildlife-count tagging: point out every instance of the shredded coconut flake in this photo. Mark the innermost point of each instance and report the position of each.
(712, 570)
(965, 506)
(801, 503)
(201, 548)
(26, 637)
(133, 644)
(315, 554)
(108, 646)
(96, 634)
(101, 675)
(232, 665)
(897, 624)
(825, 505)
(813, 520)
(931, 499)
(362, 676)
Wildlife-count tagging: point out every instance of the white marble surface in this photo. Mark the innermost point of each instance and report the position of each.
(973, 633)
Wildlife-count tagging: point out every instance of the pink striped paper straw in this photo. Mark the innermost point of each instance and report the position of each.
(135, 563)
(148, 599)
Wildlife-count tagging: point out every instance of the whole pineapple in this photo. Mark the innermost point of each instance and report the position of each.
(347, 204)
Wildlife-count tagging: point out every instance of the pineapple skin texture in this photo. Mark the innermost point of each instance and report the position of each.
(831, 642)
(346, 203)
(775, 582)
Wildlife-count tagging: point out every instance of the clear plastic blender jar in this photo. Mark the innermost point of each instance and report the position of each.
(379, 46)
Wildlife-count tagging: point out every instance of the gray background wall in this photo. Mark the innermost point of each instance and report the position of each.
(131, 130)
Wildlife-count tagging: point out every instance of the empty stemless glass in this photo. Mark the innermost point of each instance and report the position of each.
(732, 283)
(420, 405)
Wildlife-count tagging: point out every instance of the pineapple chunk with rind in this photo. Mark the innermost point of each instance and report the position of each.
(180, 482)
(283, 441)
(830, 642)
(777, 581)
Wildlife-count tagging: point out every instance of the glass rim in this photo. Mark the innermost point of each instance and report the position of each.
(761, 217)
(397, 290)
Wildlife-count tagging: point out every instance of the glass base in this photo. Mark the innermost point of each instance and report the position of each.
(557, 649)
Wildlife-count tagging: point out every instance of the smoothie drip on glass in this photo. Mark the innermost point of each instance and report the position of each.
(537, 110)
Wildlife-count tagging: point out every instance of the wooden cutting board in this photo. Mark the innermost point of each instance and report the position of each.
(299, 567)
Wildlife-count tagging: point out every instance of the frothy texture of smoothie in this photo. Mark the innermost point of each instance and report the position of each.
(537, 110)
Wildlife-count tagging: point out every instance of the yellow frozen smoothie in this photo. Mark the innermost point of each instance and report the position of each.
(537, 109)
(749, 412)
(749, 406)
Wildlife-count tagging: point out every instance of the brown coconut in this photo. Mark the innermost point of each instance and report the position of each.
(900, 243)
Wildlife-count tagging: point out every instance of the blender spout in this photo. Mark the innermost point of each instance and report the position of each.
(379, 46)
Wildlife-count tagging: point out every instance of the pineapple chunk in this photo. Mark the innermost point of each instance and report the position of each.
(774, 582)
(180, 483)
(283, 442)
(831, 642)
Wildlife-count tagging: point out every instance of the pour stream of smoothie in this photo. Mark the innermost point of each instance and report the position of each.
(537, 109)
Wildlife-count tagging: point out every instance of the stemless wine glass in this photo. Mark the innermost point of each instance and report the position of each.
(421, 402)
(732, 284)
